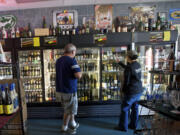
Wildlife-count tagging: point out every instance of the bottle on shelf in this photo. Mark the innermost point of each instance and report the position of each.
(8, 105)
(14, 97)
(158, 22)
(29, 30)
(13, 34)
(4, 33)
(140, 25)
(50, 30)
(1, 101)
(44, 22)
(17, 32)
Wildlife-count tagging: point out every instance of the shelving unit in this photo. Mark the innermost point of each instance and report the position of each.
(15, 123)
(116, 44)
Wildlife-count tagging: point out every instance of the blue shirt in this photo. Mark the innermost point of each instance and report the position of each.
(66, 82)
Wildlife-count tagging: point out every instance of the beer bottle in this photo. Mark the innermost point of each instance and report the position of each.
(1, 103)
(8, 105)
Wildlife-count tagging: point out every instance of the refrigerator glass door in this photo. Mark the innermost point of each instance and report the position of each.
(50, 56)
(163, 61)
(30, 73)
(112, 72)
(88, 86)
(145, 58)
(6, 69)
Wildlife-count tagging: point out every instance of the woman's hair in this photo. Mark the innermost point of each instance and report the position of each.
(69, 48)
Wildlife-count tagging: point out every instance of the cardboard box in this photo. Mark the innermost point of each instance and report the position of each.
(41, 31)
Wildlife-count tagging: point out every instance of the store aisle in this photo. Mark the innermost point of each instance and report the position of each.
(88, 126)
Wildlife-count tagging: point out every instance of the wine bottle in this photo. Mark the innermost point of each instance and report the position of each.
(29, 30)
(44, 22)
(158, 22)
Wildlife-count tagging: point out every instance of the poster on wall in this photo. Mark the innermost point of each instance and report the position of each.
(65, 19)
(7, 21)
(141, 11)
(103, 16)
(174, 14)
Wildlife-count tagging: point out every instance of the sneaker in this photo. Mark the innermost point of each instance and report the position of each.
(63, 129)
(74, 127)
(71, 131)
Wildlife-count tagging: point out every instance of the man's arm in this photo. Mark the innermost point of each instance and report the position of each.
(78, 75)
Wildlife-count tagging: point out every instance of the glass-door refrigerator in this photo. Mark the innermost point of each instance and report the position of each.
(50, 56)
(163, 57)
(6, 71)
(112, 72)
(145, 58)
(30, 73)
(89, 62)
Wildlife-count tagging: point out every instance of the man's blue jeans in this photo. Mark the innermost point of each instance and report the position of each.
(129, 101)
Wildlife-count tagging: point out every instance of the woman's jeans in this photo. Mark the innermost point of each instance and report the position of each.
(129, 101)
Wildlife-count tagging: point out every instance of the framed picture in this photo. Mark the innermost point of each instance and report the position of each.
(174, 14)
(103, 16)
(65, 19)
(135, 13)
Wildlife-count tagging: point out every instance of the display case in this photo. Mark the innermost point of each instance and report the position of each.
(112, 73)
(50, 56)
(89, 85)
(6, 71)
(145, 53)
(30, 72)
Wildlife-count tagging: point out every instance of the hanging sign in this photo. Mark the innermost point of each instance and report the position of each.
(100, 39)
(156, 36)
(174, 14)
(49, 41)
(65, 19)
(36, 42)
(103, 16)
(30, 42)
(167, 35)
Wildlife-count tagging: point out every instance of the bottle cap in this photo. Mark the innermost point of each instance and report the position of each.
(12, 86)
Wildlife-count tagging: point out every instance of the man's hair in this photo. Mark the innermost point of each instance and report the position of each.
(69, 48)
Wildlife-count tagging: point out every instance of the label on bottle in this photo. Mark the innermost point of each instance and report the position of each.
(105, 98)
(85, 98)
(82, 99)
(1, 109)
(8, 109)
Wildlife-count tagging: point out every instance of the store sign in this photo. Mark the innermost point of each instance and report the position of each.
(100, 39)
(103, 16)
(156, 37)
(174, 14)
(65, 19)
(50, 41)
(7, 21)
(30, 42)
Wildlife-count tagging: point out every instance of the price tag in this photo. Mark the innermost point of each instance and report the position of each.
(36, 42)
(167, 35)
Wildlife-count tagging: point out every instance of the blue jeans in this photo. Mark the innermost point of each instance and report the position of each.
(129, 101)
